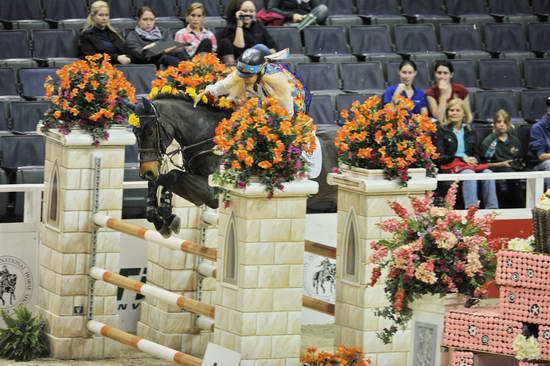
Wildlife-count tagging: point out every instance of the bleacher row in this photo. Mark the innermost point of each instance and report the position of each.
(499, 49)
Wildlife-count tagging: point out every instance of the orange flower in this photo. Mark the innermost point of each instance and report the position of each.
(265, 164)
(89, 97)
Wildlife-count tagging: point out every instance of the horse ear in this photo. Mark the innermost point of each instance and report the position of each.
(147, 105)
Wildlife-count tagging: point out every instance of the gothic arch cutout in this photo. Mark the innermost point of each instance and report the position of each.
(52, 216)
(351, 248)
(230, 253)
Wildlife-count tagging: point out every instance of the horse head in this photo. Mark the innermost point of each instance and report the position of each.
(152, 138)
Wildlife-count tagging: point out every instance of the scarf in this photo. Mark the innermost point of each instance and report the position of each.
(153, 35)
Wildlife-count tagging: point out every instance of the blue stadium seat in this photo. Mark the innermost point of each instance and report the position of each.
(26, 175)
(422, 79)
(14, 44)
(289, 37)
(533, 104)
(140, 76)
(462, 41)
(75, 24)
(372, 42)
(508, 40)
(425, 11)
(499, 74)
(539, 34)
(327, 43)
(344, 101)
(363, 77)
(54, 43)
(542, 9)
(380, 12)
(4, 197)
(211, 7)
(322, 110)
(490, 101)
(133, 200)
(537, 73)
(469, 11)
(121, 8)
(163, 8)
(341, 12)
(4, 116)
(418, 41)
(465, 73)
(22, 14)
(131, 154)
(25, 115)
(513, 11)
(12, 146)
(65, 9)
(8, 81)
(32, 81)
(321, 78)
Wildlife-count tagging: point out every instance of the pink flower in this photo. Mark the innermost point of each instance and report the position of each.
(419, 206)
(399, 210)
(393, 225)
(473, 265)
(425, 272)
(438, 211)
(446, 240)
(450, 198)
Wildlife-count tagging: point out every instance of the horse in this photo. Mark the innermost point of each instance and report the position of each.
(7, 284)
(326, 273)
(169, 117)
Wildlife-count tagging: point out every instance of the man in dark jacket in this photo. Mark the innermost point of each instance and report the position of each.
(539, 143)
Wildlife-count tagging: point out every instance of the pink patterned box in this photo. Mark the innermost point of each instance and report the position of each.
(525, 304)
(523, 269)
(544, 342)
(482, 328)
(462, 359)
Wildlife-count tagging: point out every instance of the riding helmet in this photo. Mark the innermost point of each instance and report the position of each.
(250, 63)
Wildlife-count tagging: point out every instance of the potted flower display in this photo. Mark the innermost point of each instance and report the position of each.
(387, 139)
(343, 356)
(431, 251)
(260, 143)
(192, 77)
(89, 95)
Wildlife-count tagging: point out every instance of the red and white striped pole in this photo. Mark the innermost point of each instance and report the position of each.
(150, 290)
(155, 237)
(144, 345)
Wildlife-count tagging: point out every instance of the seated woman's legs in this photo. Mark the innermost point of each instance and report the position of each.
(488, 187)
(469, 190)
(226, 51)
(173, 59)
(510, 192)
(205, 46)
(321, 13)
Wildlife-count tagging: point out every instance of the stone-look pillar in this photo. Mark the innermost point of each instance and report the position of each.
(362, 203)
(66, 240)
(260, 273)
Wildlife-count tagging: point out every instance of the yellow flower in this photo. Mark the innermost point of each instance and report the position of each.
(167, 89)
(133, 120)
(191, 92)
(204, 99)
(153, 92)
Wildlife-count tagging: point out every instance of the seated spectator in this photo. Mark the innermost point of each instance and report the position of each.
(457, 146)
(500, 150)
(98, 36)
(196, 38)
(242, 32)
(407, 73)
(539, 143)
(299, 11)
(443, 91)
(141, 41)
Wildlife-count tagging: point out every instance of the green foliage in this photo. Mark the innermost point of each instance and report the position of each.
(24, 338)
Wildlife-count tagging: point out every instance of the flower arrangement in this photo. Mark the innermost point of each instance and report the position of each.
(343, 356)
(192, 77)
(526, 348)
(88, 95)
(433, 250)
(522, 245)
(386, 137)
(260, 141)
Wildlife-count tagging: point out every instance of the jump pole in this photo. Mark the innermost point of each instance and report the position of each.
(155, 237)
(150, 290)
(141, 344)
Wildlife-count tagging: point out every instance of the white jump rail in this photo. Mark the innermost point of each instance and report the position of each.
(141, 344)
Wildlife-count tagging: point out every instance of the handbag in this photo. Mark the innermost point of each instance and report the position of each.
(457, 165)
(269, 18)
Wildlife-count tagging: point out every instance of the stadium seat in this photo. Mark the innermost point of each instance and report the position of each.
(422, 79)
(465, 73)
(327, 44)
(162, 8)
(469, 11)
(131, 154)
(12, 146)
(499, 74)
(533, 104)
(121, 8)
(537, 73)
(32, 81)
(341, 12)
(489, 101)
(425, 11)
(22, 14)
(169, 22)
(462, 41)
(344, 101)
(133, 200)
(56, 10)
(508, 40)
(8, 81)
(213, 22)
(122, 24)
(289, 37)
(75, 24)
(380, 12)
(539, 34)
(211, 7)
(364, 77)
(25, 115)
(140, 76)
(26, 175)
(14, 44)
(320, 78)
(4, 116)
(54, 43)
(322, 110)
(418, 41)
(372, 42)
(513, 11)
(4, 197)
(542, 9)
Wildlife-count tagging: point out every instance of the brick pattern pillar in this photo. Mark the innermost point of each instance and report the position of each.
(362, 203)
(66, 240)
(259, 302)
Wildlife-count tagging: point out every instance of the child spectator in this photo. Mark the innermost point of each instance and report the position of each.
(197, 38)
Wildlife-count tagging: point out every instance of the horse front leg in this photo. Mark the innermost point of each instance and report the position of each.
(192, 187)
(171, 221)
(151, 211)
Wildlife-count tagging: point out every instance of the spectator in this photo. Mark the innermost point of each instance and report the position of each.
(443, 91)
(407, 73)
(242, 32)
(197, 38)
(299, 11)
(539, 143)
(98, 36)
(142, 40)
(500, 150)
(457, 146)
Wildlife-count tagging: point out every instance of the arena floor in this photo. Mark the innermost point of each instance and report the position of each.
(318, 336)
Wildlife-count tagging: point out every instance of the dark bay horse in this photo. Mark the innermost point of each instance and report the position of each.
(170, 117)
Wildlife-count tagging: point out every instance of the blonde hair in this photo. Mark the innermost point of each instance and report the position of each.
(501, 113)
(194, 6)
(94, 9)
(453, 103)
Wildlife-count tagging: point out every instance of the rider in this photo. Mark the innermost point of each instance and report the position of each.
(256, 76)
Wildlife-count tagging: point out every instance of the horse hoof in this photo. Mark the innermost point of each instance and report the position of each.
(175, 224)
(165, 231)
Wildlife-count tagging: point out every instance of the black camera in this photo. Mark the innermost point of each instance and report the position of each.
(245, 16)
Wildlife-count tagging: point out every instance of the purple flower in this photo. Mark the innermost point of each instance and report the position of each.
(242, 184)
